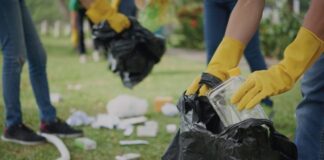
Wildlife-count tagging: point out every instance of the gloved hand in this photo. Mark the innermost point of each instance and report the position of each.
(298, 57)
(101, 10)
(226, 57)
(115, 4)
(74, 37)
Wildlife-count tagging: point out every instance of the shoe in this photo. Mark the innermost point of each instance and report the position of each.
(60, 129)
(21, 134)
(96, 56)
(83, 59)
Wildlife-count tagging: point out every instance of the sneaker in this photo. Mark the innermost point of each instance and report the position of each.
(60, 129)
(96, 56)
(21, 134)
(83, 59)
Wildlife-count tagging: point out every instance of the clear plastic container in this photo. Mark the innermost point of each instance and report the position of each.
(220, 97)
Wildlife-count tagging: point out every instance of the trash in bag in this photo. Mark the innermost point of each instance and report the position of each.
(132, 53)
(202, 136)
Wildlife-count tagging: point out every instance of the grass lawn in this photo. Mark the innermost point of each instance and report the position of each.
(99, 85)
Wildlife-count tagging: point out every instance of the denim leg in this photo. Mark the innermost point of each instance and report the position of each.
(310, 114)
(215, 21)
(253, 54)
(80, 19)
(36, 57)
(14, 51)
(128, 8)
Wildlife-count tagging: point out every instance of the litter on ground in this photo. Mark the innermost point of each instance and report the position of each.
(127, 106)
(171, 128)
(149, 129)
(128, 156)
(85, 143)
(170, 110)
(79, 118)
(132, 142)
(56, 97)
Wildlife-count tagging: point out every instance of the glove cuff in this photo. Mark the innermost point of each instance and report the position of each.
(304, 32)
(99, 11)
(226, 57)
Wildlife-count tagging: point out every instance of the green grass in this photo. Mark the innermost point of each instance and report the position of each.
(99, 85)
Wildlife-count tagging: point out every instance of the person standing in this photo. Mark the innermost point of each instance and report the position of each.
(303, 55)
(19, 41)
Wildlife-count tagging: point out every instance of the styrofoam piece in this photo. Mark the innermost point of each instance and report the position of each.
(129, 130)
(55, 97)
(171, 128)
(134, 120)
(79, 118)
(132, 142)
(86, 143)
(128, 156)
(127, 106)
(106, 121)
(58, 143)
(76, 87)
(170, 110)
(150, 129)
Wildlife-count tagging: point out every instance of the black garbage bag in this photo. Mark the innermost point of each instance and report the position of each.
(133, 53)
(202, 136)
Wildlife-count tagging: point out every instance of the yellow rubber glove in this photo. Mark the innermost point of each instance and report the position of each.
(101, 10)
(115, 4)
(298, 57)
(74, 37)
(226, 57)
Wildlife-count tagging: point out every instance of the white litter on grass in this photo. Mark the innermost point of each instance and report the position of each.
(65, 154)
(128, 131)
(129, 156)
(150, 129)
(127, 106)
(134, 120)
(76, 87)
(55, 97)
(86, 143)
(132, 142)
(106, 121)
(171, 128)
(79, 118)
(170, 110)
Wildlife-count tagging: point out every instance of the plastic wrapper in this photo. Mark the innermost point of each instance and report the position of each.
(202, 136)
(133, 53)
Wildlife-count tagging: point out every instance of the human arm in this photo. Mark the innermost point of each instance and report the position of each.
(74, 30)
(242, 25)
(298, 57)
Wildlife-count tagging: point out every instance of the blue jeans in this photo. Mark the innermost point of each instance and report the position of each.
(216, 16)
(310, 114)
(128, 8)
(19, 40)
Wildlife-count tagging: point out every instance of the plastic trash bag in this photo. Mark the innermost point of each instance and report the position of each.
(133, 53)
(202, 137)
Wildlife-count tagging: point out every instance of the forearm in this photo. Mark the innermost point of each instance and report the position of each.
(314, 19)
(86, 3)
(73, 19)
(245, 19)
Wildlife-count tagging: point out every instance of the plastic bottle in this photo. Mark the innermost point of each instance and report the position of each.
(220, 97)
